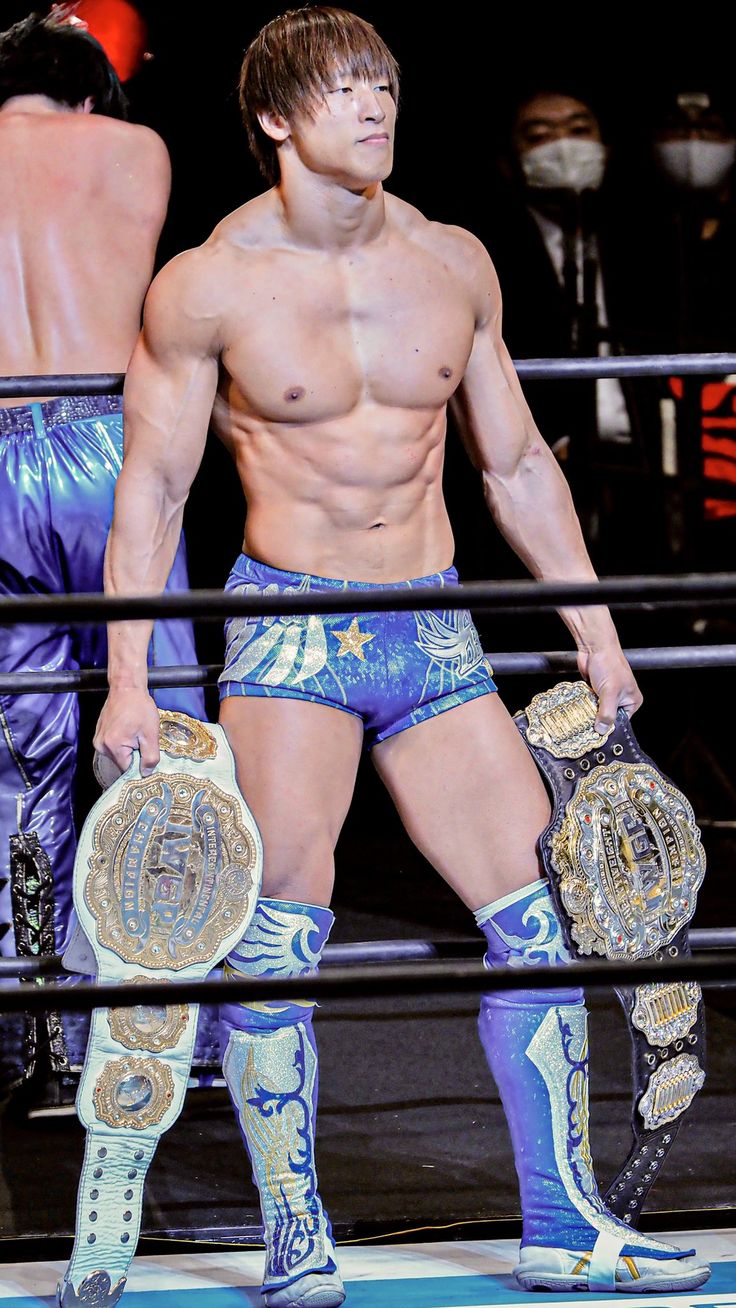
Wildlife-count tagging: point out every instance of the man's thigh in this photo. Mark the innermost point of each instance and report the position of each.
(470, 797)
(296, 763)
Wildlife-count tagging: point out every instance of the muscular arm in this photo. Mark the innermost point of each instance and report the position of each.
(169, 393)
(528, 494)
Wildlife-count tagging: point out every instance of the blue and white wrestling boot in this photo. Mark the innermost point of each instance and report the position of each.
(536, 1044)
(271, 1069)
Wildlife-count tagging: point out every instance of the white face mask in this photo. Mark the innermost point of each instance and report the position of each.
(698, 165)
(568, 164)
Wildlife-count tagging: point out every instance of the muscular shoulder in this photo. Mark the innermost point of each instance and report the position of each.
(131, 137)
(105, 142)
(201, 280)
(465, 257)
(184, 304)
(134, 159)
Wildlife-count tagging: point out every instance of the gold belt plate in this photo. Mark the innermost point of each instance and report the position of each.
(629, 859)
(172, 863)
(666, 1011)
(671, 1090)
(562, 720)
(183, 737)
(134, 1092)
(153, 1027)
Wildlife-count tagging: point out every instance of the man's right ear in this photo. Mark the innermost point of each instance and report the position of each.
(274, 126)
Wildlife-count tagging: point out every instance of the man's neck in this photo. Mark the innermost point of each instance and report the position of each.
(321, 214)
(36, 104)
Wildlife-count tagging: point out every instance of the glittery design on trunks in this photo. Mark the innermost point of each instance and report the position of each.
(392, 670)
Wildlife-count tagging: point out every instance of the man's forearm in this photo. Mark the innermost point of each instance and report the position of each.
(140, 552)
(534, 511)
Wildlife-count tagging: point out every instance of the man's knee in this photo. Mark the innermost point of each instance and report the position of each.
(299, 867)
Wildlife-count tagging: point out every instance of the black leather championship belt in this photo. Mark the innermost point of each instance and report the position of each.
(625, 862)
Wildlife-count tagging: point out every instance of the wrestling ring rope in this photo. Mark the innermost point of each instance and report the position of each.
(399, 970)
(376, 980)
(392, 968)
(631, 365)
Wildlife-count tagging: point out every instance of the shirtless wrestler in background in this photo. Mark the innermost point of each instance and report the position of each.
(84, 199)
(329, 324)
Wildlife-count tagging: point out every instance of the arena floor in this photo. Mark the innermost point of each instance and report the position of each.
(460, 1274)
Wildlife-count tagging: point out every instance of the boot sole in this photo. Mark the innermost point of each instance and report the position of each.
(319, 1299)
(646, 1285)
(329, 1297)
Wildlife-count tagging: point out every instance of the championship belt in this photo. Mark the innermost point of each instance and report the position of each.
(625, 862)
(166, 879)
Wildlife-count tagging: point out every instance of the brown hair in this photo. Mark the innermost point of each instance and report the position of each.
(288, 63)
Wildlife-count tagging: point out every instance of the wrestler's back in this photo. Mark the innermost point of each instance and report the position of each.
(336, 372)
(80, 215)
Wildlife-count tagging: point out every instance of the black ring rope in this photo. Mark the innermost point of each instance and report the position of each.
(678, 591)
(511, 663)
(360, 952)
(500, 597)
(631, 365)
(372, 981)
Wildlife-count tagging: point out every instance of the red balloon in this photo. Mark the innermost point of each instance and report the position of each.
(120, 30)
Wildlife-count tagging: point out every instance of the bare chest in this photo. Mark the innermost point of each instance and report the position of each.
(309, 343)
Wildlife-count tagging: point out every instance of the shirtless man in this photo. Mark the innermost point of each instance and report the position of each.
(329, 324)
(84, 202)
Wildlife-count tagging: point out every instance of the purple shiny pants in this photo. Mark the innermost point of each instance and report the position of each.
(58, 464)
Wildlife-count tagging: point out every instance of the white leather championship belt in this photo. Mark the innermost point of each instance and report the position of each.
(625, 862)
(166, 879)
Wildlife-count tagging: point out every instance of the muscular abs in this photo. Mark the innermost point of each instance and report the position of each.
(333, 405)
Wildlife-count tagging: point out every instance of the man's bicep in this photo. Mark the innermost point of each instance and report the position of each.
(489, 406)
(170, 388)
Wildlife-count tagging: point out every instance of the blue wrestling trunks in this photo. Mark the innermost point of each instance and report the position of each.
(391, 669)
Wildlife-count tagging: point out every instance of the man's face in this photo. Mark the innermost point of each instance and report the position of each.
(693, 118)
(349, 133)
(551, 117)
(693, 145)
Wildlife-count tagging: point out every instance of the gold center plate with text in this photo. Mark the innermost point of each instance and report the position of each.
(171, 867)
(629, 859)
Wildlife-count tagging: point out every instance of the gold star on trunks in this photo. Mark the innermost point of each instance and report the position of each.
(352, 640)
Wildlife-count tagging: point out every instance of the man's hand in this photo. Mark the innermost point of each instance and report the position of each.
(610, 676)
(128, 722)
